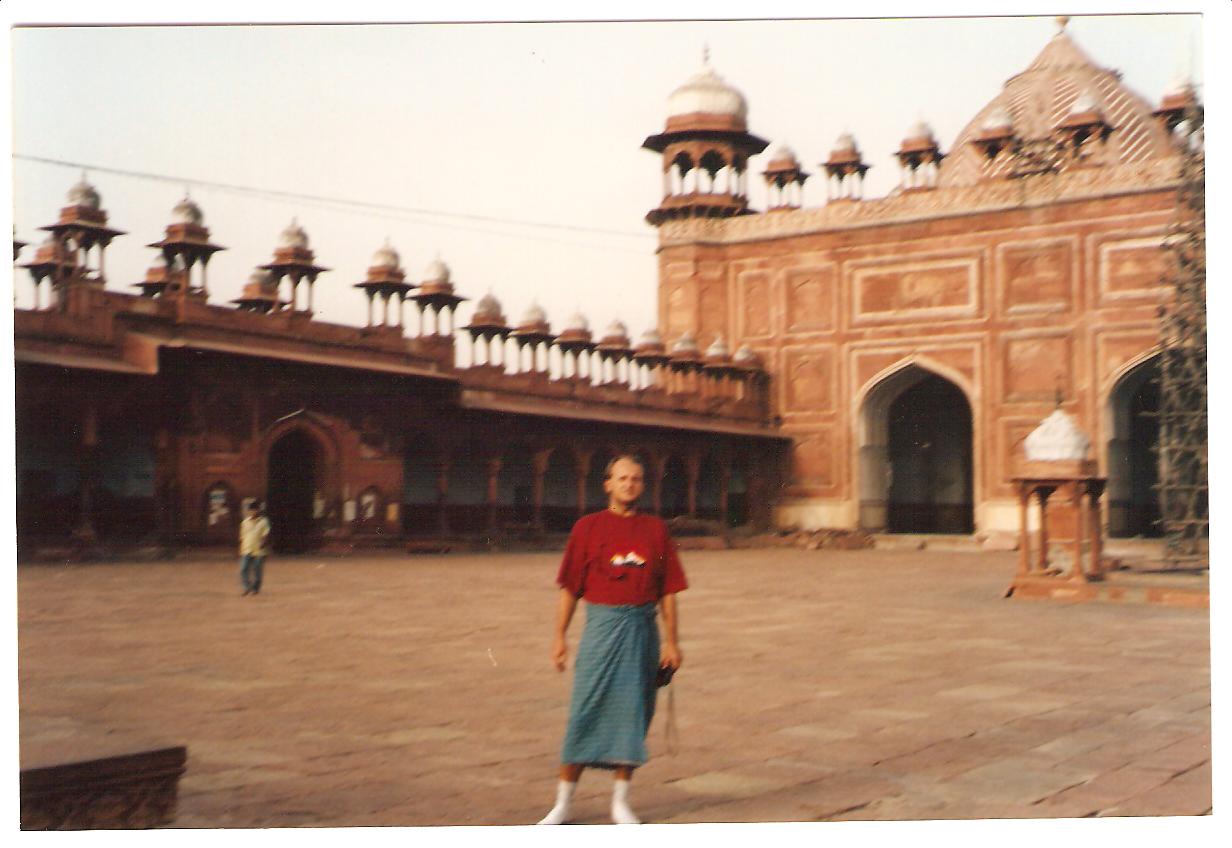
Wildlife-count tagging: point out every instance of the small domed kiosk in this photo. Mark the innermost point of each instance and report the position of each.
(1056, 471)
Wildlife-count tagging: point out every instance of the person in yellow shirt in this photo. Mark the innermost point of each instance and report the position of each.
(254, 535)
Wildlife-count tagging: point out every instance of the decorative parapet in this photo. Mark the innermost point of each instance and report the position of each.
(905, 207)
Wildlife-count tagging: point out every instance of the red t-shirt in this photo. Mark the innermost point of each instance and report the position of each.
(621, 559)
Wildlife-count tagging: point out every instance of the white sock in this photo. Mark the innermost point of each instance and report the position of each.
(621, 814)
(564, 794)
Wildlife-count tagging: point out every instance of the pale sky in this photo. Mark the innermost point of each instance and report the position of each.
(536, 123)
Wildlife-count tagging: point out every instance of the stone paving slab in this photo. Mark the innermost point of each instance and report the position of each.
(389, 690)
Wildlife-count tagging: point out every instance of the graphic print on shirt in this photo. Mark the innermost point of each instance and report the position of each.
(629, 560)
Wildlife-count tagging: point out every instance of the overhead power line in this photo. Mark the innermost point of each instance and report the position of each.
(324, 199)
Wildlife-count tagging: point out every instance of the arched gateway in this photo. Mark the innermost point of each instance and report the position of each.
(1133, 462)
(295, 464)
(916, 455)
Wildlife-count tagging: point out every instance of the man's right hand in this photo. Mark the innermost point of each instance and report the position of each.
(559, 652)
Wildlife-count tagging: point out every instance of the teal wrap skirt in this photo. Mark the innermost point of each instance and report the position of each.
(614, 687)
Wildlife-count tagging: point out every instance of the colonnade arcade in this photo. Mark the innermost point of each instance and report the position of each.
(537, 485)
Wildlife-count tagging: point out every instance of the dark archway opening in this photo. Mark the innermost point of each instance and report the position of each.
(1133, 460)
(929, 453)
(294, 463)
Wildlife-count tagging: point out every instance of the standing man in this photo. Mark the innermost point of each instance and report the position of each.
(623, 563)
(254, 533)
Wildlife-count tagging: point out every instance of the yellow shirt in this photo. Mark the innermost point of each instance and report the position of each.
(253, 533)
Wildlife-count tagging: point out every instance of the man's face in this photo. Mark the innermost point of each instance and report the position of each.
(626, 483)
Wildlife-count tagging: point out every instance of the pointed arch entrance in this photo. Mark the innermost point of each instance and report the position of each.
(293, 481)
(1132, 452)
(916, 456)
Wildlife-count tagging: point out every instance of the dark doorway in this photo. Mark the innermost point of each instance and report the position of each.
(293, 469)
(1133, 461)
(929, 453)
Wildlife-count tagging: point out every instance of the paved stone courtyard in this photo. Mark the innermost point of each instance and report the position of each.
(395, 690)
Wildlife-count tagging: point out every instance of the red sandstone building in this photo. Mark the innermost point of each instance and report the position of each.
(865, 364)
(913, 341)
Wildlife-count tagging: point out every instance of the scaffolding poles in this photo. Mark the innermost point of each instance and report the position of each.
(1182, 451)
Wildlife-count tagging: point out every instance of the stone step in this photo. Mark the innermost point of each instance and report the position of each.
(925, 541)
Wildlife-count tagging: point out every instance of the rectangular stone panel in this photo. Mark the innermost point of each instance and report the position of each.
(812, 459)
(810, 299)
(1131, 268)
(1114, 351)
(1035, 367)
(917, 290)
(680, 313)
(753, 305)
(713, 305)
(1036, 276)
(809, 379)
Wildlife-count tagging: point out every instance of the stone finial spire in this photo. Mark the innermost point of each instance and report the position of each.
(1062, 22)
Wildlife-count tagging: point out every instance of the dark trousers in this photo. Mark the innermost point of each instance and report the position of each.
(250, 572)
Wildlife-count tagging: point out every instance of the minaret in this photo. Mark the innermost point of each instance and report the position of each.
(385, 280)
(295, 261)
(705, 147)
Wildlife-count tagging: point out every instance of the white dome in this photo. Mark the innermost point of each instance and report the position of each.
(535, 315)
(617, 329)
(187, 212)
(160, 261)
(745, 356)
(488, 305)
(844, 142)
(293, 236)
(259, 278)
(784, 154)
(707, 93)
(386, 257)
(1085, 102)
(685, 344)
(650, 338)
(84, 194)
(1056, 439)
(920, 129)
(718, 349)
(1181, 85)
(998, 119)
(436, 272)
(577, 321)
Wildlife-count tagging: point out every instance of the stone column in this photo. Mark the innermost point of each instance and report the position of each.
(582, 464)
(540, 465)
(1077, 502)
(86, 468)
(724, 481)
(1024, 536)
(1097, 552)
(656, 466)
(442, 496)
(1041, 559)
(493, 504)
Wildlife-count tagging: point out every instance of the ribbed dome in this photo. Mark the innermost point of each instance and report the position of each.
(1037, 100)
(1057, 439)
(650, 338)
(745, 356)
(293, 236)
(784, 155)
(534, 315)
(707, 93)
(386, 257)
(436, 272)
(1084, 102)
(84, 194)
(577, 321)
(617, 330)
(846, 142)
(187, 212)
(488, 310)
(998, 119)
(685, 344)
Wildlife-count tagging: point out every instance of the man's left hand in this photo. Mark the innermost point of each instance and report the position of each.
(670, 657)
